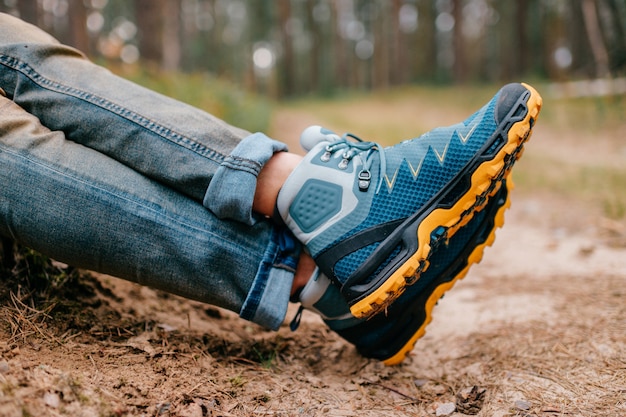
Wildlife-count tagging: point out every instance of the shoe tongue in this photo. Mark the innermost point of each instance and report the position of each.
(313, 135)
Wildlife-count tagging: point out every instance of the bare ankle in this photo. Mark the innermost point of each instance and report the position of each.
(304, 271)
(271, 179)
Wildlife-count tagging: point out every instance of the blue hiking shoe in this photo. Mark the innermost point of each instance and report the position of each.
(371, 216)
(390, 336)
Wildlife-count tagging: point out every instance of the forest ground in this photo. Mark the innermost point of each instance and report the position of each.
(539, 325)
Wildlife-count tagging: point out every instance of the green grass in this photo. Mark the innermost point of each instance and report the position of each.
(590, 115)
(596, 185)
(220, 98)
(600, 179)
(400, 113)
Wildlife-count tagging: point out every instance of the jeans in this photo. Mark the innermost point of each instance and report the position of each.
(103, 174)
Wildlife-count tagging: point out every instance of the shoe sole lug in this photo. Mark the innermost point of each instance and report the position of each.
(485, 181)
(473, 258)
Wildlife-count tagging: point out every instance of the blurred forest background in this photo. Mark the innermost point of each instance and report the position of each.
(290, 48)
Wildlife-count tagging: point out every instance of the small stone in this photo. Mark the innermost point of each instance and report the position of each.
(445, 409)
(522, 405)
(163, 408)
(166, 327)
(420, 382)
(4, 367)
(52, 399)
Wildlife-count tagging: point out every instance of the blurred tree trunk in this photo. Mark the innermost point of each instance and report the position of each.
(539, 31)
(171, 35)
(324, 35)
(264, 19)
(582, 59)
(400, 66)
(340, 50)
(521, 40)
(29, 11)
(505, 41)
(217, 64)
(598, 49)
(617, 45)
(149, 18)
(316, 39)
(460, 61)
(286, 70)
(423, 49)
(380, 71)
(77, 18)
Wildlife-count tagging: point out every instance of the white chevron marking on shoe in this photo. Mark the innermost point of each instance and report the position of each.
(465, 138)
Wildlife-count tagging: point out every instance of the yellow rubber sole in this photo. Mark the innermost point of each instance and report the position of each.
(485, 181)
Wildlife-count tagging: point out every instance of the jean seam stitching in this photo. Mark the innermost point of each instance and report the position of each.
(164, 132)
(241, 164)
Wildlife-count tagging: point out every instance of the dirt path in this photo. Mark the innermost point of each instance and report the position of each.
(539, 328)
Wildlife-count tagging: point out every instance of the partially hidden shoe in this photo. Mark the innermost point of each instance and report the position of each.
(371, 216)
(390, 336)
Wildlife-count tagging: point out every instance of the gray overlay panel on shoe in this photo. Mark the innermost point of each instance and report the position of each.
(316, 202)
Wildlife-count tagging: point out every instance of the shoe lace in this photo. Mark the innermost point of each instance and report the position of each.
(353, 146)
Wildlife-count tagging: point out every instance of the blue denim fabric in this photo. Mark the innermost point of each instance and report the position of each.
(231, 190)
(278, 264)
(116, 181)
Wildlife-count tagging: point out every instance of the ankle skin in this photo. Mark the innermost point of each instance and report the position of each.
(271, 179)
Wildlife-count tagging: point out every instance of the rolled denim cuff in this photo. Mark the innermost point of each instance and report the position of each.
(268, 298)
(231, 191)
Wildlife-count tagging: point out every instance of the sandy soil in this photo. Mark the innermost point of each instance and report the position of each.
(538, 328)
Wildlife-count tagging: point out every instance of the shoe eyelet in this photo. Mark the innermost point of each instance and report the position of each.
(365, 178)
(343, 164)
(327, 154)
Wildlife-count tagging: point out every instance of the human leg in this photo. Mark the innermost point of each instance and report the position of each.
(388, 259)
(176, 144)
(81, 207)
